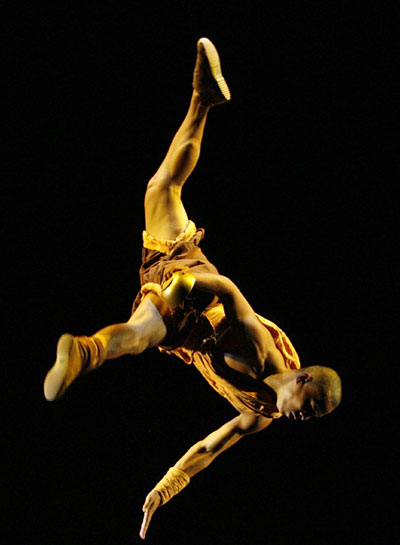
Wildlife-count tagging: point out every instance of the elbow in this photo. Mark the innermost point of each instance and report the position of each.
(208, 449)
(200, 448)
(226, 283)
(190, 145)
(225, 287)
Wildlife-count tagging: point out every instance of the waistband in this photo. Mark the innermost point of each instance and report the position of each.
(164, 245)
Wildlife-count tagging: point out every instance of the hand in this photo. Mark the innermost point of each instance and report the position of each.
(152, 502)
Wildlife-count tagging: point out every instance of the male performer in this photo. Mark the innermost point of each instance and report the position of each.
(185, 307)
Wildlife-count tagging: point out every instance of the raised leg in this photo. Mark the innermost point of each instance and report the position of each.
(164, 212)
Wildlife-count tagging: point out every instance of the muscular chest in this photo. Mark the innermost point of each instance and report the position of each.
(242, 356)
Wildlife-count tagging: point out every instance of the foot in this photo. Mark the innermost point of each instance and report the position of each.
(208, 80)
(68, 365)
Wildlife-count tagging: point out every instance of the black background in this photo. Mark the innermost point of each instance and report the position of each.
(293, 187)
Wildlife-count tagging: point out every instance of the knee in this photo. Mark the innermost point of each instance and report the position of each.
(156, 188)
(161, 181)
(124, 340)
(161, 188)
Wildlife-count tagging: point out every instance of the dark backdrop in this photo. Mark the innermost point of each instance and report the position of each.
(293, 189)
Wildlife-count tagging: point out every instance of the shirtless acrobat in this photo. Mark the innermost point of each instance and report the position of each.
(185, 307)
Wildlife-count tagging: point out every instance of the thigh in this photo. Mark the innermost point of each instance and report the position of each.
(165, 214)
(148, 323)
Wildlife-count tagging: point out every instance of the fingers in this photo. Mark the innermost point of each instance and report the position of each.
(149, 507)
(145, 524)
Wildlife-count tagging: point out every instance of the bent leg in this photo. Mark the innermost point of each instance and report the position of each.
(164, 211)
(75, 355)
(165, 214)
(145, 329)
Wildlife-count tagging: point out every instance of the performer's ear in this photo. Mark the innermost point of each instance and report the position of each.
(303, 378)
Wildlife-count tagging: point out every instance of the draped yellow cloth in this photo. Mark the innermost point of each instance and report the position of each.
(164, 245)
(195, 346)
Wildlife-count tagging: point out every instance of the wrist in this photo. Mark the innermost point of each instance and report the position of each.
(173, 482)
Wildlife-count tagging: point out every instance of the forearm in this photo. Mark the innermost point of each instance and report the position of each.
(195, 459)
(178, 476)
(174, 481)
(198, 457)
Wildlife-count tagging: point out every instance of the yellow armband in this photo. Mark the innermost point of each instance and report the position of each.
(171, 484)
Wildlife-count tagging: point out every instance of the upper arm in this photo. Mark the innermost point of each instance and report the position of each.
(240, 313)
(235, 303)
(201, 455)
(230, 433)
(238, 310)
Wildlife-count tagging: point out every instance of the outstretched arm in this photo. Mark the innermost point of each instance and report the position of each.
(200, 456)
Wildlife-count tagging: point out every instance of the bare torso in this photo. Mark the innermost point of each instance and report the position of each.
(240, 354)
(241, 347)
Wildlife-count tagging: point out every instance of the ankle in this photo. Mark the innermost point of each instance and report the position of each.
(92, 351)
(199, 103)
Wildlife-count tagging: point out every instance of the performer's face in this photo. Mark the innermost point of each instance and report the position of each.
(301, 400)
